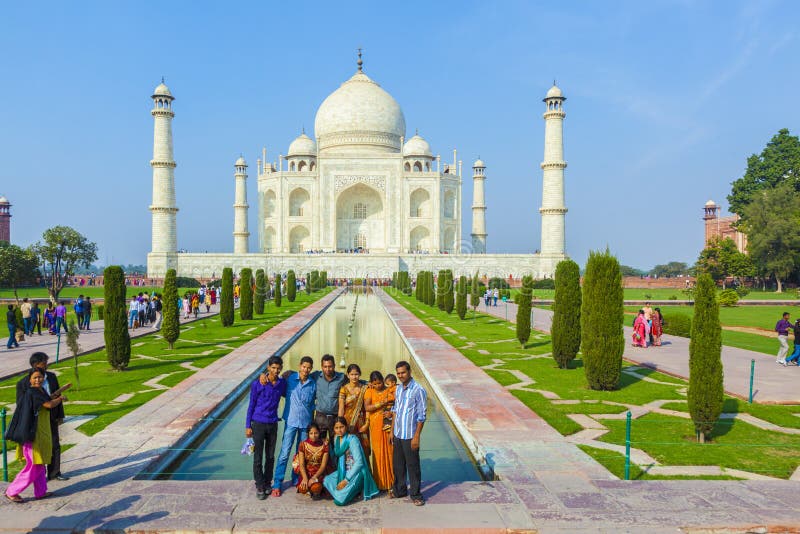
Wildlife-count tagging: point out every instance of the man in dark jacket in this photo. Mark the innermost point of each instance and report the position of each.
(11, 319)
(38, 360)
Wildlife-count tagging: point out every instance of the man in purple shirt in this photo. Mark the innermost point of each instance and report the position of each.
(262, 422)
(782, 328)
(61, 317)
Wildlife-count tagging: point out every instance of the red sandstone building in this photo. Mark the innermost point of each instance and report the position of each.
(5, 219)
(722, 227)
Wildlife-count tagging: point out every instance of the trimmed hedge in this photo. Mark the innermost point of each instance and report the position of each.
(171, 324)
(261, 292)
(566, 328)
(226, 299)
(677, 325)
(246, 294)
(115, 329)
(705, 393)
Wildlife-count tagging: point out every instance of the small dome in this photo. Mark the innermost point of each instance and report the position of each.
(554, 92)
(241, 162)
(710, 203)
(478, 164)
(417, 146)
(302, 146)
(4, 200)
(162, 90)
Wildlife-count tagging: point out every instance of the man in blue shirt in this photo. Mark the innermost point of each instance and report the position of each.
(410, 409)
(262, 422)
(298, 410)
(329, 382)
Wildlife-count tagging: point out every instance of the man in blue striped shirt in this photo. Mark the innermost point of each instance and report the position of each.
(410, 408)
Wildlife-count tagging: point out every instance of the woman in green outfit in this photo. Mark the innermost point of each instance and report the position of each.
(352, 474)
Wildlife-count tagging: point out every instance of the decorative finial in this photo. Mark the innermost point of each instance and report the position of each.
(416, 131)
(304, 129)
(359, 62)
(162, 79)
(554, 81)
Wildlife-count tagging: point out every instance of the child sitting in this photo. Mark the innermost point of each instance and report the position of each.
(391, 385)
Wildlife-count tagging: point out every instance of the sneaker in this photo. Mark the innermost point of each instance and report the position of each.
(261, 495)
(783, 362)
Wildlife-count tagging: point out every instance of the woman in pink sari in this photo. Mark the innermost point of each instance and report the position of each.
(640, 330)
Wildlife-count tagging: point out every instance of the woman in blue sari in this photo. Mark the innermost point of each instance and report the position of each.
(352, 475)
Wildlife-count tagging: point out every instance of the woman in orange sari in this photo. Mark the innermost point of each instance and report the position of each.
(351, 406)
(377, 399)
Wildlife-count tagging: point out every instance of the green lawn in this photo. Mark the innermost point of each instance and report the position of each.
(668, 294)
(670, 439)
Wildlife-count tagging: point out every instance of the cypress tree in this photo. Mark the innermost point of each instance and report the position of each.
(475, 292)
(524, 310)
(566, 328)
(602, 314)
(246, 294)
(449, 301)
(308, 283)
(261, 292)
(440, 282)
(118, 341)
(226, 299)
(171, 325)
(291, 286)
(314, 280)
(277, 290)
(431, 289)
(461, 297)
(323, 279)
(416, 288)
(705, 393)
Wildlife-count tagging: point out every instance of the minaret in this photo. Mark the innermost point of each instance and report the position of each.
(478, 208)
(5, 219)
(553, 209)
(164, 209)
(240, 233)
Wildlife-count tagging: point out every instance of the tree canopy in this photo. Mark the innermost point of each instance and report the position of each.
(673, 268)
(721, 259)
(18, 266)
(778, 163)
(62, 250)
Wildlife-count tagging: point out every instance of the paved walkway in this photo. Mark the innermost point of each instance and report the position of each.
(547, 484)
(14, 361)
(772, 382)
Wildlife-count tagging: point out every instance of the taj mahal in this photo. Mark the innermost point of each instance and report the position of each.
(358, 199)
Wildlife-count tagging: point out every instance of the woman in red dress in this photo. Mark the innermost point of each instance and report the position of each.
(311, 464)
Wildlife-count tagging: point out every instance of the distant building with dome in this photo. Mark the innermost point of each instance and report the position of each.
(359, 199)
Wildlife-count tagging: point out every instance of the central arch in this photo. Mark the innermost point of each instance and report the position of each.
(359, 213)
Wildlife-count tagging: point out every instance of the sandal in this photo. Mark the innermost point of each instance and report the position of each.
(275, 493)
(15, 498)
(418, 502)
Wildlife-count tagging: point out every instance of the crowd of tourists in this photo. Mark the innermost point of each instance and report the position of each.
(648, 327)
(345, 437)
(782, 327)
(30, 318)
(34, 427)
(144, 310)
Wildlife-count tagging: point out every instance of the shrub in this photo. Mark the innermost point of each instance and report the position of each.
(101, 310)
(277, 290)
(602, 313)
(115, 329)
(171, 324)
(313, 280)
(742, 291)
(449, 301)
(261, 292)
(431, 292)
(728, 297)
(705, 394)
(566, 328)
(185, 281)
(673, 297)
(475, 292)
(291, 286)
(524, 311)
(499, 283)
(461, 297)
(545, 283)
(677, 325)
(246, 294)
(308, 283)
(323, 279)
(226, 299)
(440, 289)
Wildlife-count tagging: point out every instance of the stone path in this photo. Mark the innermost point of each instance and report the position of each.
(14, 361)
(772, 383)
(547, 484)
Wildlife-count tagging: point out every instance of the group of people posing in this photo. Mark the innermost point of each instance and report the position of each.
(648, 327)
(346, 436)
(782, 328)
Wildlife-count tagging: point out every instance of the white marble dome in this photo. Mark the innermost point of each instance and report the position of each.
(241, 162)
(710, 203)
(554, 92)
(360, 113)
(478, 164)
(417, 146)
(4, 200)
(162, 90)
(303, 146)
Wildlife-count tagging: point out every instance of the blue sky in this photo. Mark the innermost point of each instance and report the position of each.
(666, 99)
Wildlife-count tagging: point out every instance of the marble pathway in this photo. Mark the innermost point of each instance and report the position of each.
(546, 484)
(772, 383)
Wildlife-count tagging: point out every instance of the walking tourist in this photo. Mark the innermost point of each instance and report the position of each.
(648, 316)
(87, 313)
(657, 327)
(410, 410)
(61, 317)
(640, 330)
(11, 320)
(207, 301)
(50, 318)
(36, 318)
(25, 308)
(351, 405)
(312, 463)
(262, 422)
(297, 412)
(38, 362)
(133, 313)
(78, 309)
(187, 306)
(782, 328)
(352, 474)
(376, 400)
(495, 296)
(157, 309)
(30, 428)
(795, 356)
